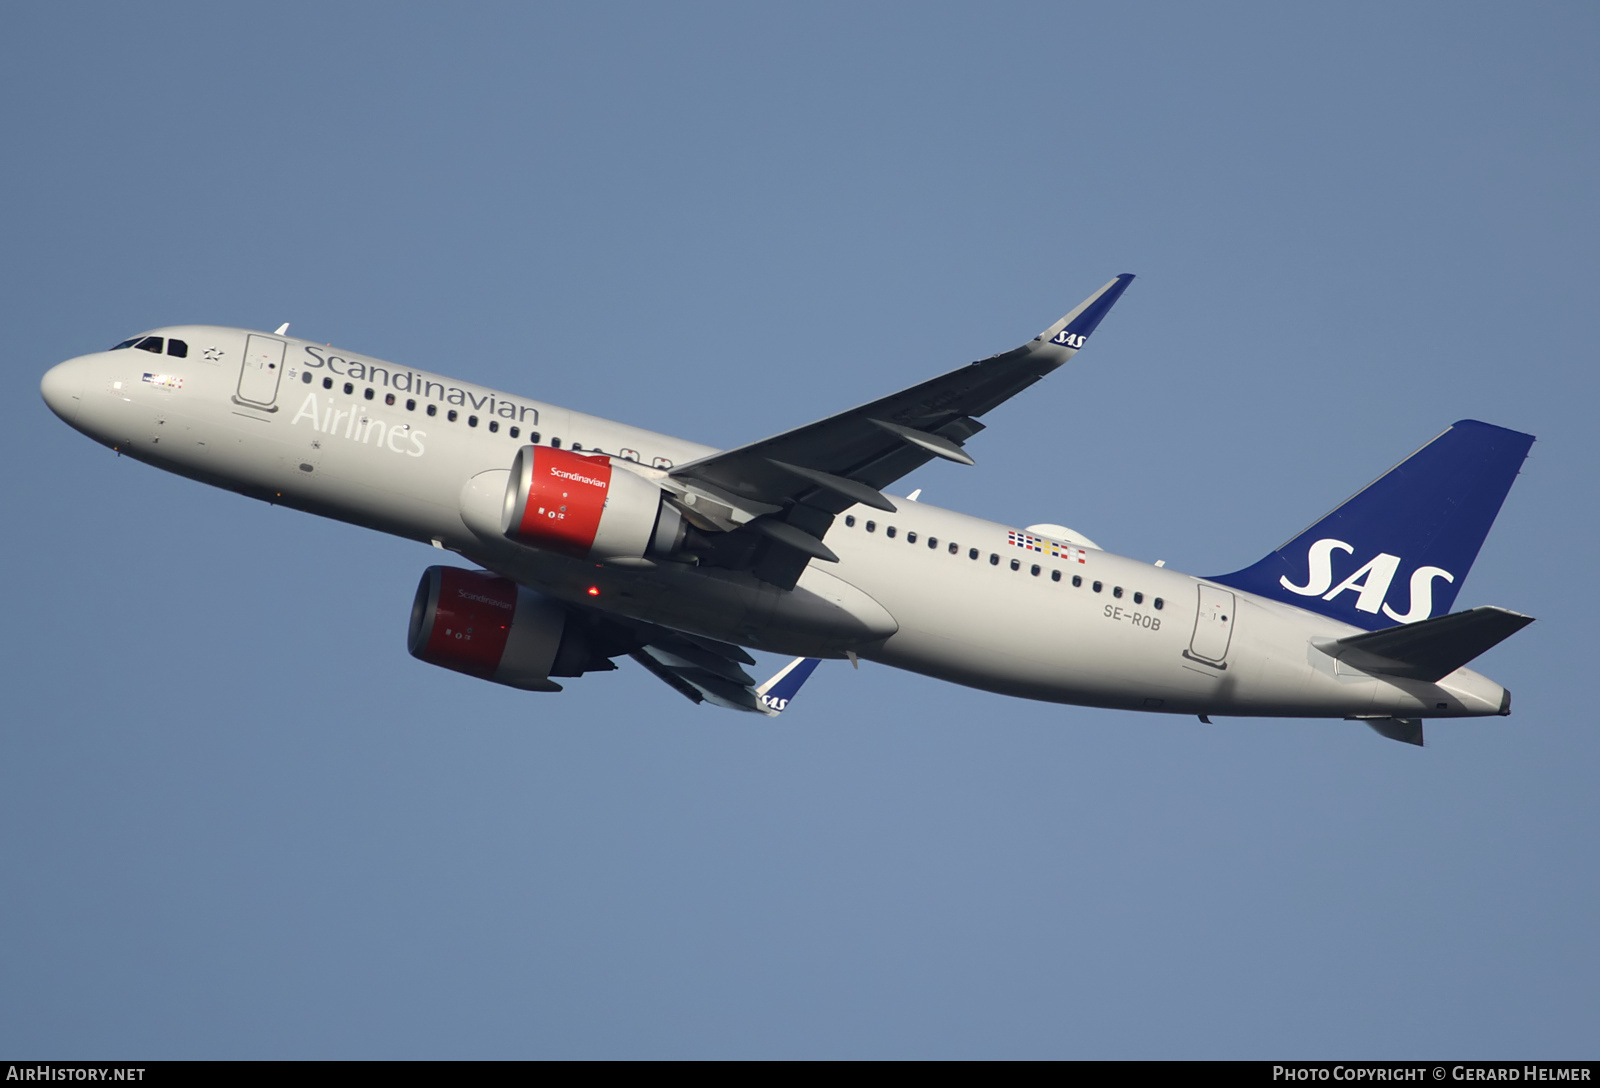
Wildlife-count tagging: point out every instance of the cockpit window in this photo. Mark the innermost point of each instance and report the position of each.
(150, 343)
(128, 343)
(177, 349)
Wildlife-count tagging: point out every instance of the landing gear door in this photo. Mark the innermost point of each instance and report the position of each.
(1213, 627)
(259, 374)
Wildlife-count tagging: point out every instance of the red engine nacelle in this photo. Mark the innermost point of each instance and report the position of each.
(580, 506)
(486, 626)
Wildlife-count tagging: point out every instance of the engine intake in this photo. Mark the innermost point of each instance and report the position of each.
(581, 506)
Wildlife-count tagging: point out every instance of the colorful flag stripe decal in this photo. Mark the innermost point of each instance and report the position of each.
(1029, 542)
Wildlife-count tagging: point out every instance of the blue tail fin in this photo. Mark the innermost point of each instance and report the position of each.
(1398, 551)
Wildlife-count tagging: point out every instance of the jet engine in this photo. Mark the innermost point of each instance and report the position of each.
(581, 506)
(486, 626)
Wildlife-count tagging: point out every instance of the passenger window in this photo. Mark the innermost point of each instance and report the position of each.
(911, 538)
(494, 426)
(411, 405)
(954, 547)
(533, 436)
(972, 553)
(515, 431)
(1138, 598)
(451, 415)
(1077, 581)
(433, 409)
(472, 421)
(177, 349)
(555, 443)
(1158, 602)
(994, 560)
(1035, 570)
(850, 521)
(388, 398)
(889, 532)
(1116, 591)
(1098, 587)
(327, 383)
(305, 376)
(1016, 564)
(150, 343)
(368, 393)
(349, 388)
(871, 526)
(1055, 576)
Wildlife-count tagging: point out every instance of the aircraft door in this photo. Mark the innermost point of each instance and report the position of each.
(259, 373)
(1213, 627)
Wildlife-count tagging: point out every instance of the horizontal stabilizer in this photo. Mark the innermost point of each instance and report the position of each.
(1428, 649)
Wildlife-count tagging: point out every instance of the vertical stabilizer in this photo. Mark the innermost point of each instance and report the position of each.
(1398, 551)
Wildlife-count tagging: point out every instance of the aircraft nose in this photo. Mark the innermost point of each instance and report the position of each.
(62, 387)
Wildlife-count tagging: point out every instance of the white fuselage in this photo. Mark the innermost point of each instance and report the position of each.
(349, 437)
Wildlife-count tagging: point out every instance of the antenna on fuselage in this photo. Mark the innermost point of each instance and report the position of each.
(282, 329)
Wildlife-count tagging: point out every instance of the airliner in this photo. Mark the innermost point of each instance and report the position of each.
(589, 540)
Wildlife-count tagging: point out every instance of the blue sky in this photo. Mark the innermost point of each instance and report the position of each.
(237, 820)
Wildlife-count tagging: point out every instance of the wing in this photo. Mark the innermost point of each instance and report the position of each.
(772, 501)
(556, 638)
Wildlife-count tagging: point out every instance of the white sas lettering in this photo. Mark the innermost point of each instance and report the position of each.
(1320, 575)
(1421, 594)
(1371, 583)
(1379, 573)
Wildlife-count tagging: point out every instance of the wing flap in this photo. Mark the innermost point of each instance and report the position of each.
(689, 668)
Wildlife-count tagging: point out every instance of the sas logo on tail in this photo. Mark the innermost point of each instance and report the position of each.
(1070, 339)
(1370, 583)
